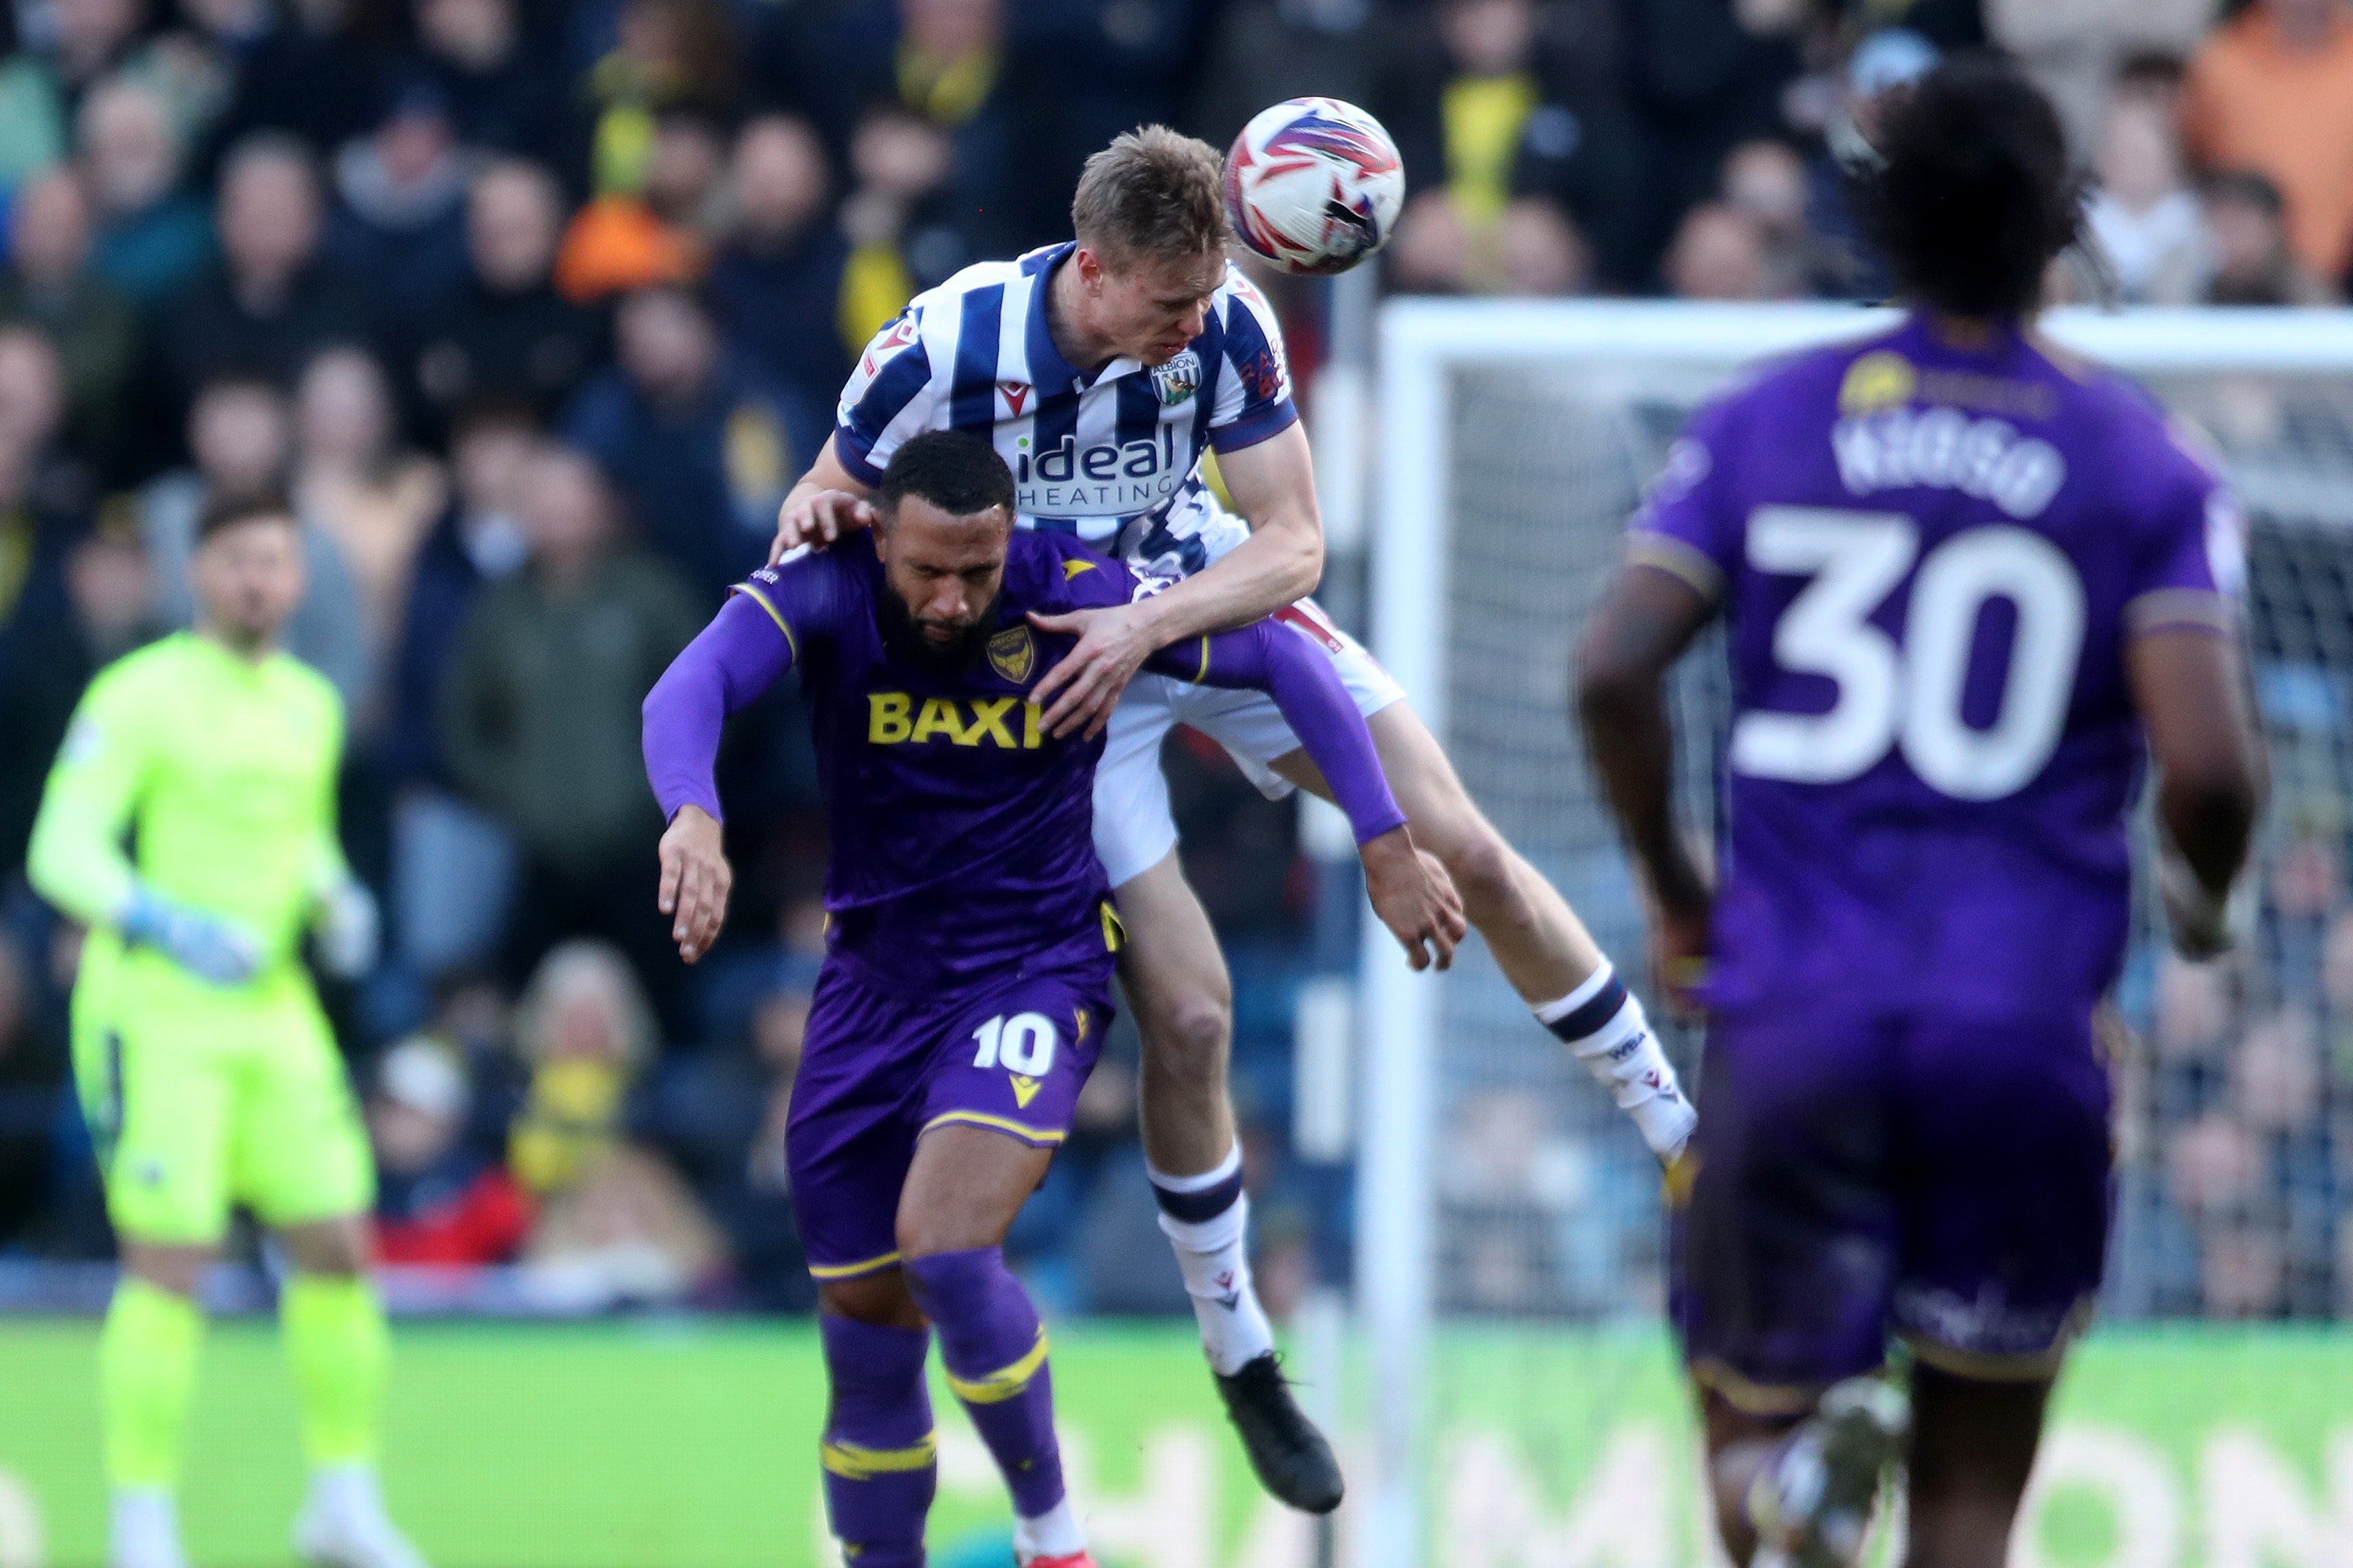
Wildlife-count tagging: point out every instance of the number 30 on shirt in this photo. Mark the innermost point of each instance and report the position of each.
(1907, 696)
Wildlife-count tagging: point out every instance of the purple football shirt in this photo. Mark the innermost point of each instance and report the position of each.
(962, 845)
(1930, 558)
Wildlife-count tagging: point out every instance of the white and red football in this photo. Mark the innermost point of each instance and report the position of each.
(1313, 185)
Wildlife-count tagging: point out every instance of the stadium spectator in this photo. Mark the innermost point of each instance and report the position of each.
(616, 1224)
(502, 97)
(153, 237)
(241, 434)
(1540, 252)
(507, 332)
(901, 218)
(666, 55)
(1767, 180)
(106, 610)
(540, 722)
(2272, 91)
(354, 482)
(451, 864)
(1720, 253)
(440, 1202)
(311, 76)
(94, 329)
(1266, 51)
(2253, 260)
(84, 40)
(2143, 214)
(655, 231)
(43, 498)
(776, 286)
(32, 1069)
(700, 443)
(271, 303)
(2082, 52)
(398, 228)
(1432, 251)
(1884, 63)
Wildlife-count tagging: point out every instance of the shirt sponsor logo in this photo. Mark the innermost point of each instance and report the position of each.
(1013, 654)
(1944, 448)
(892, 719)
(1876, 383)
(1106, 476)
(1176, 382)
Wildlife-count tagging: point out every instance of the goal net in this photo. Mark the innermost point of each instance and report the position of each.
(1500, 1189)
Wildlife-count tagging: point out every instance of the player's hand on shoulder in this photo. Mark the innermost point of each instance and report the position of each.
(695, 880)
(1082, 689)
(215, 950)
(1415, 898)
(813, 515)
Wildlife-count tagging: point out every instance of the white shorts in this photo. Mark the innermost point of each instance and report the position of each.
(1135, 829)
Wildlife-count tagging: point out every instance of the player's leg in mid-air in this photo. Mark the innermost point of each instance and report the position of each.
(918, 1130)
(1176, 982)
(248, 1106)
(1539, 944)
(1945, 1179)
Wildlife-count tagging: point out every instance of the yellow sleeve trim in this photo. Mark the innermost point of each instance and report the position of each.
(853, 1462)
(1677, 560)
(1114, 929)
(852, 1270)
(1027, 1134)
(1005, 1383)
(774, 615)
(1204, 674)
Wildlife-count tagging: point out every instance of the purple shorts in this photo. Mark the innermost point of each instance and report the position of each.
(879, 1070)
(1944, 1180)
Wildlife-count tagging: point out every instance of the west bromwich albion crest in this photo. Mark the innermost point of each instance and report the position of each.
(1012, 655)
(1178, 380)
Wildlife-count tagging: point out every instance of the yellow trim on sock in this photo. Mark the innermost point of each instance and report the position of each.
(845, 1270)
(997, 1124)
(853, 1462)
(1004, 1383)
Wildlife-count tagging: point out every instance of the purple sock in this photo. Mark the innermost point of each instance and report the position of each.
(995, 1355)
(880, 1470)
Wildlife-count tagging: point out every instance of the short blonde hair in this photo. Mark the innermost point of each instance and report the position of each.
(1152, 192)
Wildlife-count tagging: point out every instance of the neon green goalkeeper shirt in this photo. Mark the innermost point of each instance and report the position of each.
(211, 779)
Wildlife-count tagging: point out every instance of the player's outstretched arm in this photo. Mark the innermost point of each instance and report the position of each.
(1273, 485)
(1641, 628)
(2189, 687)
(738, 656)
(828, 502)
(1410, 891)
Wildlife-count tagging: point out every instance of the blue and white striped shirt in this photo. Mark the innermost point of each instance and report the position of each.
(1115, 458)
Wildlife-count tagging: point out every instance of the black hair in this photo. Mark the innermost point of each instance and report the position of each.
(1973, 195)
(958, 473)
(226, 510)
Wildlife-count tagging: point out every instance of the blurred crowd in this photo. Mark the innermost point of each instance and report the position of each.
(537, 308)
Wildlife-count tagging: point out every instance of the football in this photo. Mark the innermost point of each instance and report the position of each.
(1313, 185)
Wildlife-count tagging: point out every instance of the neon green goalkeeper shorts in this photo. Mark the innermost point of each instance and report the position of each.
(245, 1103)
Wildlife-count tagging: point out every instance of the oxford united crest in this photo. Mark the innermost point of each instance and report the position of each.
(1178, 380)
(1012, 655)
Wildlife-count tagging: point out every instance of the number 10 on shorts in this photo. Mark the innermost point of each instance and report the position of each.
(1023, 1042)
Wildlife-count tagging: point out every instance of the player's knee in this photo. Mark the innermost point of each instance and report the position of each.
(1186, 1040)
(880, 1299)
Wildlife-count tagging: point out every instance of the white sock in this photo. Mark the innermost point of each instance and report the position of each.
(1213, 1253)
(346, 1491)
(1054, 1533)
(143, 1527)
(1602, 1022)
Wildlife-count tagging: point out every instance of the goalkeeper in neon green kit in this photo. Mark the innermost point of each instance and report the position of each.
(205, 1066)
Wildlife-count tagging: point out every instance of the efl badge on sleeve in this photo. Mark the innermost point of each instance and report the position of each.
(1012, 655)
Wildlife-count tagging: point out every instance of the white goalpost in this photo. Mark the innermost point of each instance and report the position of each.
(1495, 1183)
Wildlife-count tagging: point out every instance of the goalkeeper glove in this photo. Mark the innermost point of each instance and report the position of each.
(212, 949)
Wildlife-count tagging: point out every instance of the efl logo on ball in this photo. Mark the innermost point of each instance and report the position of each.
(1313, 185)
